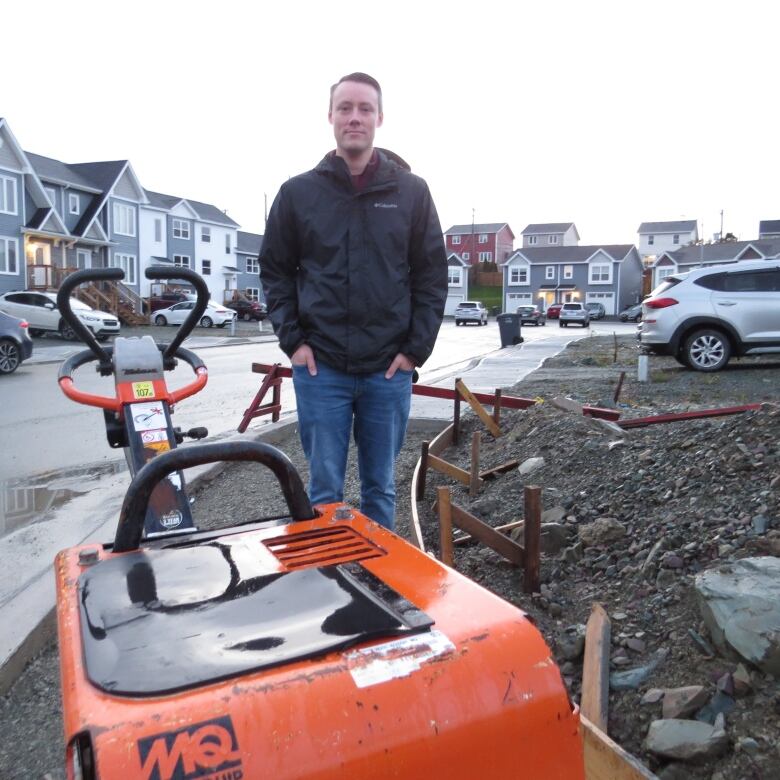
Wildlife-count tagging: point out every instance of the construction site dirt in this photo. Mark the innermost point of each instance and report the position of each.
(630, 519)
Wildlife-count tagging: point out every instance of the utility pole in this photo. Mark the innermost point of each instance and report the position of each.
(721, 224)
(473, 245)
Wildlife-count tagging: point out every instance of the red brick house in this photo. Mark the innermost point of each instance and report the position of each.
(485, 243)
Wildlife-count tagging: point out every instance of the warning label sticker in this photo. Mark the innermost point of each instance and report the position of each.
(148, 417)
(143, 390)
(153, 437)
(399, 658)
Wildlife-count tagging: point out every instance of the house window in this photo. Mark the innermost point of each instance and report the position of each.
(9, 251)
(531, 240)
(206, 267)
(253, 265)
(7, 195)
(552, 239)
(466, 255)
(158, 230)
(568, 271)
(74, 207)
(51, 194)
(181, 229)
(453, 276)
(676, 239)
(518, 275)
(650, 240)
(183, 261)
(662, 273)
(483, 238)
(455, 239)
(549, 272)
(253, 293)
(600, 274)
(205, 235)
(127, 264)
(485, 257)
(124, 219)
(227, 244)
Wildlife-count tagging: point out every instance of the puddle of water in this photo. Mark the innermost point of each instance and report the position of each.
(32, 499)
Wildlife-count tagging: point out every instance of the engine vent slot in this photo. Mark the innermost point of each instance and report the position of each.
(322, 547)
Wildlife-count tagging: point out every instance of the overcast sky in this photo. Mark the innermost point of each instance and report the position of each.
(602, 113)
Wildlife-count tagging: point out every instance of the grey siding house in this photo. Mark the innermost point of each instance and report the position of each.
(703, 255)
(610, 275)
(457, 282)
(248, 262)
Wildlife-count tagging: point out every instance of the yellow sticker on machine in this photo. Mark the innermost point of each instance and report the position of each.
(143, 390)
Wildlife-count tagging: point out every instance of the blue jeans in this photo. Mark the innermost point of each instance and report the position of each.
(328, 406)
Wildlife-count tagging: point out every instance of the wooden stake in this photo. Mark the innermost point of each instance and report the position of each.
(619, 386)
(595, 668)
(479, 410)
(614, 356)
(497, 408)
(532, 498)
(456, 414)
(423, 471)
(475, 481)
(445, 525)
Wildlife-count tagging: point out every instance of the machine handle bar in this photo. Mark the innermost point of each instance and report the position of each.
(65, 379)
(133, 512)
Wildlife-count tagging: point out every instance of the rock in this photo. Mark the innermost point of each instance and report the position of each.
(686, 740)
(725, 683)
(743, 683)
(672, 561)
(719, 705)
(601, 531)
(555, 609)
(674, 772)
(682, 702)
(633, 678)
(740, 604)
(653, 696)
(701, 643)
(554, 538)
(572, 643)
(566, 404)
(530, 465)
(553, 515)
(748, 745)
(759, 524)
(665, 579)
(637, 645)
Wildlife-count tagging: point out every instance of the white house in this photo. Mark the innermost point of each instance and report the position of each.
(655, 238)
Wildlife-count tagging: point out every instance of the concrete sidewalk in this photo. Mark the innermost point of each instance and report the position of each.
(27, 581)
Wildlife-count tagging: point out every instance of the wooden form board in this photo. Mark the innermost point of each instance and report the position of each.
(436, 446)
(606, 760)
(479, 410)
(595, 668)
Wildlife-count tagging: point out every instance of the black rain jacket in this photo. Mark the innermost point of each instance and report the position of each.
(358, 276)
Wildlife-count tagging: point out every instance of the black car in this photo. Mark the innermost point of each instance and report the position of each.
(15, 343)
(248, 310)
(531, 315)
(631, 313)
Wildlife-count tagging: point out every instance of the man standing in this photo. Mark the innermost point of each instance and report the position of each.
(355, 276)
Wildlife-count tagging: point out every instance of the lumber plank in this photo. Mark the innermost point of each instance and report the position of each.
(595, 668)
(606, 760)
(500, 528)
(496, 470)
(532, 532)
(479, 410)
(487, 535)
(443, 467)
(445, 526)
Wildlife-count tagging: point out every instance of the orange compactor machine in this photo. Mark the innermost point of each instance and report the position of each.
(317, 645)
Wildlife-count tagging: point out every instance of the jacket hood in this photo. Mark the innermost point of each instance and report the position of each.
(386, 159)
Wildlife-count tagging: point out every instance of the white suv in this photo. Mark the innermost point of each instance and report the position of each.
(471, 311)
(41, 312)
(705, 316)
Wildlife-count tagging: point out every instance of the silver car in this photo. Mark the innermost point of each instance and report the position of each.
(573, 313)
(178, 313)
(471, 311)
(704, 317)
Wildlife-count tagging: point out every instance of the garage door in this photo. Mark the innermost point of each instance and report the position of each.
(452, 303)
(513, 300)
(607, 300)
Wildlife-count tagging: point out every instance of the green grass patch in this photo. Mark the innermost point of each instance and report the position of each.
(490, 296)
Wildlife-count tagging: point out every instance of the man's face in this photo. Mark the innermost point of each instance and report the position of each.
(354, 114)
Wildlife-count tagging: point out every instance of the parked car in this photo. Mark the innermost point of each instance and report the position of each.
(40, 310)
(596, 310)
(532, 315)
(704, 317)
(573, 313)
(631, 313)
(248, 310)
(215, 314)
(554, 311)
(15, 343)
(166, 299)
(471, 311)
